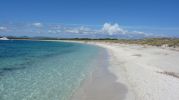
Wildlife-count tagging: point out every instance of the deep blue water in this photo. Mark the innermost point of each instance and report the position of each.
(41, 70)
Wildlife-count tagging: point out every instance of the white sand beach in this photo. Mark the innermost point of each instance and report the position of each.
(150, 73)
(145, 72)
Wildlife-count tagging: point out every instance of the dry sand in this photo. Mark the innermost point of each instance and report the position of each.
(150, 73)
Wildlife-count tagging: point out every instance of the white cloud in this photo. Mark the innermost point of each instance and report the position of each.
(54, 31)
(113, 29)
(79, 30)
(107, 28)
(2, 28)
(101, 30)
(143, 33)
(37, 24)
(139, 33)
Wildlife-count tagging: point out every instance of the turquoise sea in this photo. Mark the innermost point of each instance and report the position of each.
(44, 70)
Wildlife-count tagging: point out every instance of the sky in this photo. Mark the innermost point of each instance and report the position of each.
(90, 18)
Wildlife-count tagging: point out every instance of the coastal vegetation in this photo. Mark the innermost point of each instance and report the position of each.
(166, 42)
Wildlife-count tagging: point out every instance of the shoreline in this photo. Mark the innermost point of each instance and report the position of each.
(100, 84)
(148, 72)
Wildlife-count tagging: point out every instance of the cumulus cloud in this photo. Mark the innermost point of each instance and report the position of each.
(113, 29)
(107, 29)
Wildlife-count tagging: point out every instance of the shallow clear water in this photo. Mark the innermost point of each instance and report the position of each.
(36, 70)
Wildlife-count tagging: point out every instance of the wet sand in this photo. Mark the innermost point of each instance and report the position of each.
(101, 85)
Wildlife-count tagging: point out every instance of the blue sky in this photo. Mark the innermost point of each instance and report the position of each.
(89, 18)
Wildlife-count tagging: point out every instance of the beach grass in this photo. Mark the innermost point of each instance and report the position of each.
(167, 42)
